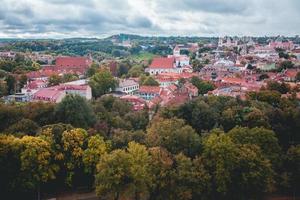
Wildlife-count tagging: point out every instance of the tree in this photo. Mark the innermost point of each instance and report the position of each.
(102, 83)
(96, 148)
(293, 168)
(150, 81)
(73, 142)
(199, 114)
(113, 177)
(162, 174)
(24, 126)
(283, 88)
(75, 110)
(139, 169)
(265, 139)
(121, 138)
(203, 86)
(55, 80)
(22, 81)
(3, 88)
(69, 77)
(197, 66)
(174, 135)
(191, 180)
(286, 65)
(136, 71)
(237, 171)
(36, 165)
(92, 70)
(11, 84)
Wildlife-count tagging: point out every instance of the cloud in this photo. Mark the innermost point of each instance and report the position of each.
(95, 18)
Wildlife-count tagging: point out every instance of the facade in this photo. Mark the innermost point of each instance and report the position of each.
(137, 102)
(149, 92)
(163, 65)
(128, 86)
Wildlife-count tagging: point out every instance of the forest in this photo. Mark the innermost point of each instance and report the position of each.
(209, 148)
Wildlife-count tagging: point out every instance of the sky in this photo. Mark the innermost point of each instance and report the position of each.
(101, 18)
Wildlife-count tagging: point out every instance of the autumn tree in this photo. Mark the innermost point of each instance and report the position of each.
(112, 177)
(73, 142)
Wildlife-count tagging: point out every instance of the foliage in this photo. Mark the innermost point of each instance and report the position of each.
(203, 86)
(75, 110)
(174, 135)
(102, 83)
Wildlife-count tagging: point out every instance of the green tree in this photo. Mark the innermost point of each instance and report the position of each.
(265, 139)
(174, 135)
(191, 180)
(11, 84)
(150, 81)
(91, 71)
(75, 110)
(24, 126)
(237, 171)
(139, 169)
(55, 80)
(203, 86)
(293, 168)
(102, 83)
(113, 177)
(162, 173)
(136, 71)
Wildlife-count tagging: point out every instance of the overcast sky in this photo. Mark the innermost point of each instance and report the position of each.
(98, 18)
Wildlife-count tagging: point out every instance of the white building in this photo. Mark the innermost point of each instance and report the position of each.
(128, 86)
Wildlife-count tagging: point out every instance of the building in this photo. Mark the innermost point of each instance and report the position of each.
(128, 86)
(287, 45)
(56, 93)
(149, 92)
(137, 102)
(73, 64)
(163, 65)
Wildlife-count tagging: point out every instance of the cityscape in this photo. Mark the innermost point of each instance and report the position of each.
(150, 100)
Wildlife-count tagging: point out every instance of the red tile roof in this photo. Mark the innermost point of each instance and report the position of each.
(164, 63)
(149, 89)
(73, 62)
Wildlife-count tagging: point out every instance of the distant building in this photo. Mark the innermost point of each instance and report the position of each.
(149, 92)
(128, 86)
(163, 65)
(136, 102)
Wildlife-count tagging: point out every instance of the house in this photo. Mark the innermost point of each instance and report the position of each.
(287, 45)
(149, 92)
(296, 52)
(137, 102)
(163, 65)
(180, 60)
(33, 86)
(73, 64)
(289, 75)
(128, 86)
(63, 65)
(18, 97)
(49, 95)
(56, 93)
